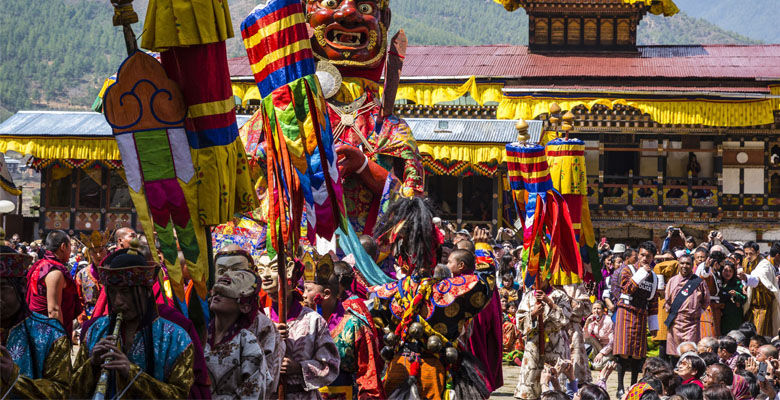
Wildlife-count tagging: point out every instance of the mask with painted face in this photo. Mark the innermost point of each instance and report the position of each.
(350, 33)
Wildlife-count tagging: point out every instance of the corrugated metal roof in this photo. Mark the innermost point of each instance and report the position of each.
(64, 124)
(509, 61)
(469, 130)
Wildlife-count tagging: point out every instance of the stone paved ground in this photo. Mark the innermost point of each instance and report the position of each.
(510, 380)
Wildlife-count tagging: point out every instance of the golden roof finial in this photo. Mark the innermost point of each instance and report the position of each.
(522, 131)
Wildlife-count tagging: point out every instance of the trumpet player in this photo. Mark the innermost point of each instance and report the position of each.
(34, 349)
(148, 356)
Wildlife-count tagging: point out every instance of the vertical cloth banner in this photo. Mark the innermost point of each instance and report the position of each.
(190, 36)
(300, 157)
(146, 112)
(566, 159)
(549, 243)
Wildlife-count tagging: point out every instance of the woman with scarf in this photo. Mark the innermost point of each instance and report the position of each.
(236, 363)
(733, 297)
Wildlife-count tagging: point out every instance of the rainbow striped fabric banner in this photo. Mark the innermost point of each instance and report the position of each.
(277, 43)
(301, 160)
(528, 168)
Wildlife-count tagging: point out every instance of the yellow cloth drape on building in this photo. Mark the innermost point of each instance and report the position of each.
(177, 23)
(433, 93)
(726, 113)
(473, 153)
(62, 147)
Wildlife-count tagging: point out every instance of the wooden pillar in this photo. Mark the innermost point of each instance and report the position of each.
(602, 165)
(74, 193)
(460, 202)
(719, 171)
(660, 171)
(500, 192)
(42, 199)
(495, 203)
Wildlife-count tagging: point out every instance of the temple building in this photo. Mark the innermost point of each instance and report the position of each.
(682, 135)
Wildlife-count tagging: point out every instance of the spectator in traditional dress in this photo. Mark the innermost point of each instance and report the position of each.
(687, 297)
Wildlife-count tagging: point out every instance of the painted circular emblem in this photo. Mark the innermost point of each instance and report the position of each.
(742, 157)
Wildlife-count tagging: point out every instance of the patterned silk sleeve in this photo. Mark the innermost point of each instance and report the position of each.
(55, 383)
(368, 379)
(560, 315)
(254, 371)
(323, 368)
(177, 385)
(273, 350)
(84, 376)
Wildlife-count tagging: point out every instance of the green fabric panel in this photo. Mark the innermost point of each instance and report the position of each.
(188, 242)
(167, 242)
(154, 154)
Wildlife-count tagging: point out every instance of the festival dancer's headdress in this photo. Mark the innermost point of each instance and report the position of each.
(541, 210)
(566, 158)
(12, 263)
(127, 267)
(301, 160)
(317, 269)
(407, 228)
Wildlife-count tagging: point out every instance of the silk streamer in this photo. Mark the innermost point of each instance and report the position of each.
(566, 159)
(549, 242)
(301, 161)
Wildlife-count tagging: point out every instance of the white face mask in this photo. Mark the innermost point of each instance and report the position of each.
(231, 263)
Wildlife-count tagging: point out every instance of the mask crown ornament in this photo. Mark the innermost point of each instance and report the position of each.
(317, 269)
(96, 239)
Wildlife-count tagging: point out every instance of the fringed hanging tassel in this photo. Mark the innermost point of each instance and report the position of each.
(301, 160)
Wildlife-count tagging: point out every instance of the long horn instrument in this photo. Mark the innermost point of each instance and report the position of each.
(102, 385)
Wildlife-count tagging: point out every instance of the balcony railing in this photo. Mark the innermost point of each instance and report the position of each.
(648, 193)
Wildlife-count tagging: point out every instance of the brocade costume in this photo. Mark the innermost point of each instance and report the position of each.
(310, 344)
(685, 327)
(237, 368)
(557, 346)
(664, 271)
(172, 374)
(447, 309)
(360, 367)
(41, 351)
(88, 289)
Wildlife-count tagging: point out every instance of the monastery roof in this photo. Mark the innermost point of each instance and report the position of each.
(753, 62)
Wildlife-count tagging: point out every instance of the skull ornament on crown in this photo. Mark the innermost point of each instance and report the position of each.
(350, 33)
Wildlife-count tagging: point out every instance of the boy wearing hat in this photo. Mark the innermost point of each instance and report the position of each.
(311, 359)
(34, 349)
(151, 357)
(351, 331)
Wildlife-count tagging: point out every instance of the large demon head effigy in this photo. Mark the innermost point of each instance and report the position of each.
(350, 33)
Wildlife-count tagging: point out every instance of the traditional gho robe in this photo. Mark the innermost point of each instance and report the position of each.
(763, 304)
(237, 368)
(360, 367)
(665, 271)
(43, 371)
(172, 374)
(637, 310)
(580, 309)
(310, 344)
(685, 327)
(557, 345)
